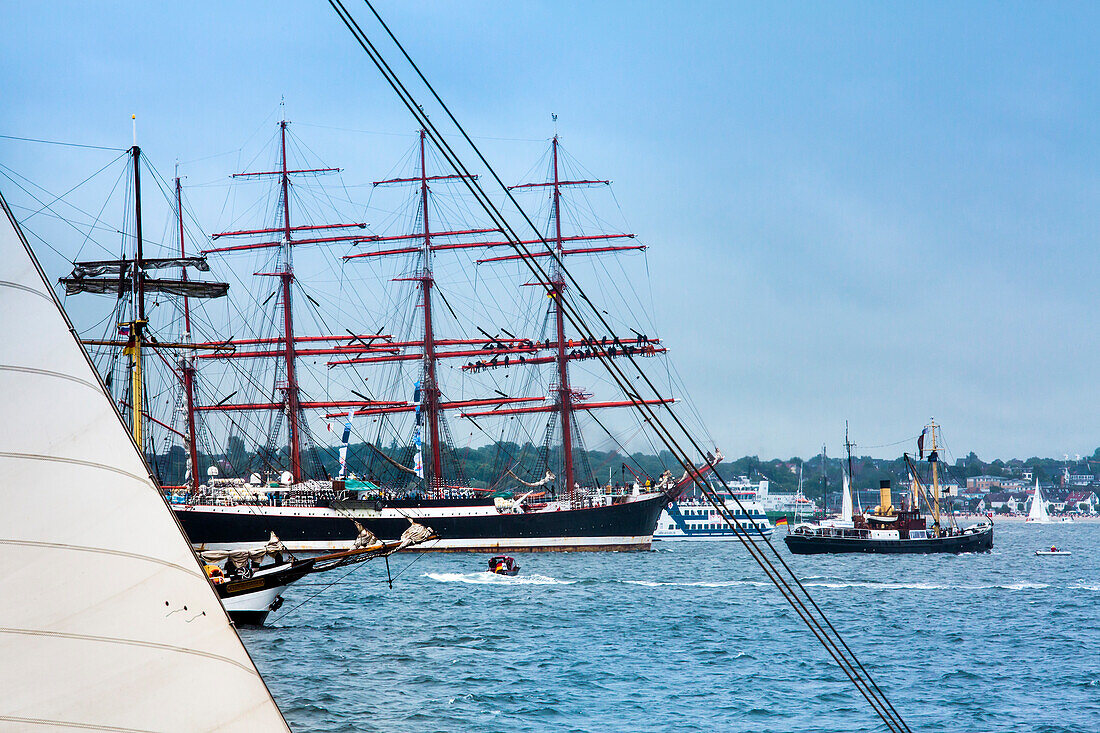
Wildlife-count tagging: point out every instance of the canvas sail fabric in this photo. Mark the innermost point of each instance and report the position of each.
(107, 621)
(846, 501)
(1038, 511)
(241, 558)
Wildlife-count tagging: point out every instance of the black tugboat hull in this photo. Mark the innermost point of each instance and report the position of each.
(460, 527)
(972, 542)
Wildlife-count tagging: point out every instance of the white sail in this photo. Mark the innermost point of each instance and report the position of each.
(846, 502)
(1038, 511)
(107, 621)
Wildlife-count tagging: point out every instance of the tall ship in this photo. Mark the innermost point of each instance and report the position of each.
(894, 529)
(398, 384)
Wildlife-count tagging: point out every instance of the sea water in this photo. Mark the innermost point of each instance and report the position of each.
(692, 637)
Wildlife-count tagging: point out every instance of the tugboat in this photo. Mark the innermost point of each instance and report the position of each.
(890, 529)
(503, 565)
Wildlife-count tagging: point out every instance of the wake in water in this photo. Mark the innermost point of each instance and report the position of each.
(697, 584)
(487, 578)
(841, 584)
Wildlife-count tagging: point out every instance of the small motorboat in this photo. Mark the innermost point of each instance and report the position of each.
(1052, 551)
(503, 565)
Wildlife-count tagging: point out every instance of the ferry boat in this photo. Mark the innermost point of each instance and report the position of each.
(697, 519)
(794, 507)
(890, 529)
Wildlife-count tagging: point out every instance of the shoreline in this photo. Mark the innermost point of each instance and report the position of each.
(1021, 517)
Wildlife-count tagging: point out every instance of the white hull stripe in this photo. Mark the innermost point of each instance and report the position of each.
(259, 600)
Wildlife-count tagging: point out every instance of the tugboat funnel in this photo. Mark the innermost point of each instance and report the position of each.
(884, 499)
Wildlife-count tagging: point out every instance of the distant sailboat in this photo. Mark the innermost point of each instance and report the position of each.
(846, 501)
(1038, 512)
(107, 621)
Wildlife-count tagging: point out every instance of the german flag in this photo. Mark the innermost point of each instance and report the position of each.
(781, 522)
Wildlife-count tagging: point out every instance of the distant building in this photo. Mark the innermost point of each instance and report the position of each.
(986, 484)
(1085, 502)
(1076, 479)
(1018, 501)
(977, 506)
(982, 484)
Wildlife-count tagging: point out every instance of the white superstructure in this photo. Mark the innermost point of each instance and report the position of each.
(696, 519)
(794, 505)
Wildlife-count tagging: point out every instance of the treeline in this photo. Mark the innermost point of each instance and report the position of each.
(487, 464)
(481, 466)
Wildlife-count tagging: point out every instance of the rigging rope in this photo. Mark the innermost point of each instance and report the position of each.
(784, 579)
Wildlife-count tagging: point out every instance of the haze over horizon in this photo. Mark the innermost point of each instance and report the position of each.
(854, 211)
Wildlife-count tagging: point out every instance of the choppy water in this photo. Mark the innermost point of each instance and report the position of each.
(692, 638)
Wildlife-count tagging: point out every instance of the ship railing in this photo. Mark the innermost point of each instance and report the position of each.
(833, 532)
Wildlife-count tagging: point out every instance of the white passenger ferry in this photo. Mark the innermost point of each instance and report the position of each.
(696, 519)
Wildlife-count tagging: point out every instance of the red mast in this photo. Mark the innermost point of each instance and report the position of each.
(287, 277)
(431, 403)
(429, 389)
(187, 363)
(565, 350)
(565, 398)
(285, 348)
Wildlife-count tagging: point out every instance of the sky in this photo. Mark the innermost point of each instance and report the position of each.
(875, 212)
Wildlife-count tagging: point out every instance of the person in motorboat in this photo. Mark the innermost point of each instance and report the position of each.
(1052, 551)
(503, 565)
(216, 575)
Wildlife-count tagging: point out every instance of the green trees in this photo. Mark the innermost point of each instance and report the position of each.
(485, 464)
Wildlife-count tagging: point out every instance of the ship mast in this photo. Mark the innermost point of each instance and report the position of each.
(848, 445)
(431, 401)
(565, 397)
(187, 362)
(122, 274)
(286, 347)
(568, 401)
(934, 459)
(429, 389)
(137, 326)
(286, 277)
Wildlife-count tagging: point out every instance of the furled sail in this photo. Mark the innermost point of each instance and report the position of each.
(107, 621)
(116, 267)
(112, 286)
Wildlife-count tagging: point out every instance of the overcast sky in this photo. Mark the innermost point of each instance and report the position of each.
(879, 212)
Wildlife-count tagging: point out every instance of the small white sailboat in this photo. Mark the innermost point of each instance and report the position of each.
(1038, 512)
(846, 501)
(107, 620)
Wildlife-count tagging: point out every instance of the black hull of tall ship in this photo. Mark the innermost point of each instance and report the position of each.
(969, 542)
(461, 525)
